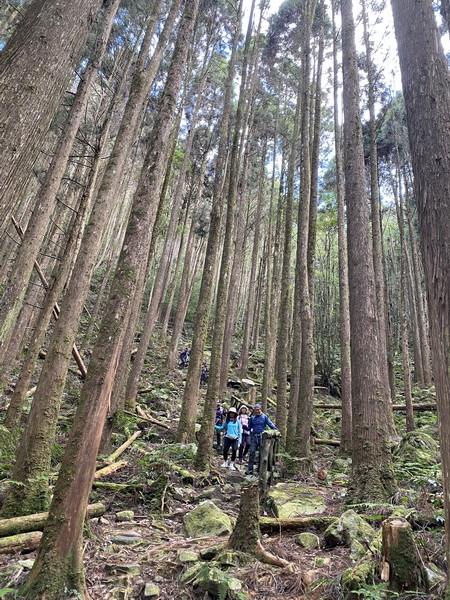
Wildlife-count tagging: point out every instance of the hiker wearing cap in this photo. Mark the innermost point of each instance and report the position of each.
(232, 437)
(257, 424)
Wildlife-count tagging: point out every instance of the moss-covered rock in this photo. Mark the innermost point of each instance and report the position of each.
(187, 556)
(308, 540)
(207, 519)
(124, 515)
(214, 581)
(350, 526)
(417, 447)
(354, 578)
(288, 500)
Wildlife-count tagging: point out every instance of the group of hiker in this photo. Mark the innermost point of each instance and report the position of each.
(243, 434)
(184, 361)
(242, 430)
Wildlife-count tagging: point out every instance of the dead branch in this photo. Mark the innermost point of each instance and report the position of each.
(110, 469)
(121, 449)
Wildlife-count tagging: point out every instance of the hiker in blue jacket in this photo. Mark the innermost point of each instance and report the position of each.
(232, 438)
(257, 424)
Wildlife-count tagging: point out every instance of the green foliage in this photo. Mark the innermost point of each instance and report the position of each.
(376, 591)
(5, 592)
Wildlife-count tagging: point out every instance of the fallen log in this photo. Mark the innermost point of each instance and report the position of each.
(298, 523)
(327, 442)
(36, 522)
(20, 542)
(112, 468)
(143, 416)
(121, 449)
(418, 407)
(108, 485)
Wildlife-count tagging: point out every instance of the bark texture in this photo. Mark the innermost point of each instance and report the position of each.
(372, 473)
(426, 88)
(36, 66)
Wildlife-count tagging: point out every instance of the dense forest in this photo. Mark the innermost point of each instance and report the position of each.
(210, 204)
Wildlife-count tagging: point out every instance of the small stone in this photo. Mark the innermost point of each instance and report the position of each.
(124, 515)
(125, 540)
(129, 533)
(308, 540)
(159, 579)
(26, 564)
(151, 591)
(122, 569)
(103, 521)
(187, 556)
(213, 493)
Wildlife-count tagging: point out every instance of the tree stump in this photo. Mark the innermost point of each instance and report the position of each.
(246, 536)
(400, 562)
(246, 533)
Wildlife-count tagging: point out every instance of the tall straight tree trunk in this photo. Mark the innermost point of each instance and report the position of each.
(13, 413)
(426, 88)
(377, 241)
(306, 243)
(302, 317)
(402, 299)
(425, 351)
(34, 453)
(236, 269)
(203, 455)
(254, 263)
(164, 263)
(16, 286)
(58, 565)
(36, 67)
(281, 365)
(372, 476)
(185, 287)
(272, 284)
(344, 309)
(188, 413)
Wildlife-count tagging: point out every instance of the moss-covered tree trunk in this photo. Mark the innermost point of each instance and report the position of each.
(59, 562)
(426, 89)
(344, 310)
(246, 533)
(36, 67)
(188, 414)
(372, 476)
(46, 197)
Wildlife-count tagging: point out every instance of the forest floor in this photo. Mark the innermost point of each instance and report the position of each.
(160, 497)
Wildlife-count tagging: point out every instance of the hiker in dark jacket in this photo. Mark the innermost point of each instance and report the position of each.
(221, 412)
(257, 424)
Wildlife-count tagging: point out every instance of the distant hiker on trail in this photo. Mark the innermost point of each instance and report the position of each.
(232, 437)
(184, 356)
(257, 424)
(243, 417)
(220, 415)
(204, 375)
